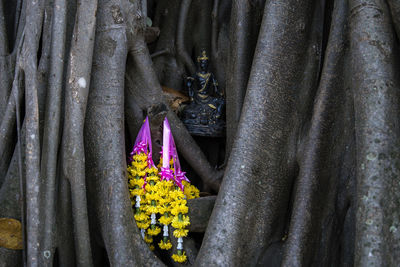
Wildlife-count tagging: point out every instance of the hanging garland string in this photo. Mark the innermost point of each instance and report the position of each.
(160, 192)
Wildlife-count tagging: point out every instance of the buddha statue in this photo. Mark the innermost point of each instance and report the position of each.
(204, 115)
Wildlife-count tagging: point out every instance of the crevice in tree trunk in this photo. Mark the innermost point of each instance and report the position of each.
(312, 164)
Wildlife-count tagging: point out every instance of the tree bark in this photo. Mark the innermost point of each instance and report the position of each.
(182, 54)
(255, 173)
(35, 11)
(239, 66)
(316, 188)
(105, 150)
(312, 114)
(52, 132)
(72, 153)
(374, 64)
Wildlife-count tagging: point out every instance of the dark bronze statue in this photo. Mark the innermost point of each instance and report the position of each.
(204, 115)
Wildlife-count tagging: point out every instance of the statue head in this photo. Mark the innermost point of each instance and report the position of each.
(203, 60)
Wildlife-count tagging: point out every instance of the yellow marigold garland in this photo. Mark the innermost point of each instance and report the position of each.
(162, 192)
(165, 245)
(136, 174)
(180, 256)
(164, 209)
(179, 222)
(152, 198)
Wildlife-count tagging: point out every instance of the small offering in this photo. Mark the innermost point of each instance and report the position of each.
(160, 193)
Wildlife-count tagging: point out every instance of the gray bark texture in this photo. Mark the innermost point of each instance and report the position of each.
(307, 173)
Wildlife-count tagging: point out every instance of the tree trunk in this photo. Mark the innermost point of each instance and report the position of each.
(309, 164)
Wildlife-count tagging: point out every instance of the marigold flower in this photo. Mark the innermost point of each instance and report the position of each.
(143, 224)
(180, 233)
(143, 200)
(137, 192)
(163, 209)
(131, 171)
(150, 188)
(163, 192)
(179, 209)
(141, 216)
(152, 178)
(139, 165)
(154, 231)
(179, 258)
(153, 196)
(166, 184)
(148, 239)
(165, 220)
(142, 156)
(136, 182)
(178, 202)
(176, 194)
(152, 170)
(141, 173)
(190, 191)
(165, 245)
(163, 202)
(180, 223)
(151, 209)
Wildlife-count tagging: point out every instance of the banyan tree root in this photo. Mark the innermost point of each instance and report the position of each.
(312, 128)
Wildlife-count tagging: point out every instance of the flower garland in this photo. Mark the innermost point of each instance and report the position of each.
(137, 171)
(141, 174)
(164, 209)
(162, 191)
(177, 197)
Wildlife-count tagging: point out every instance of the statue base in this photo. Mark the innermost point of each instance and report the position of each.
(202, 120)
(211, 130)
